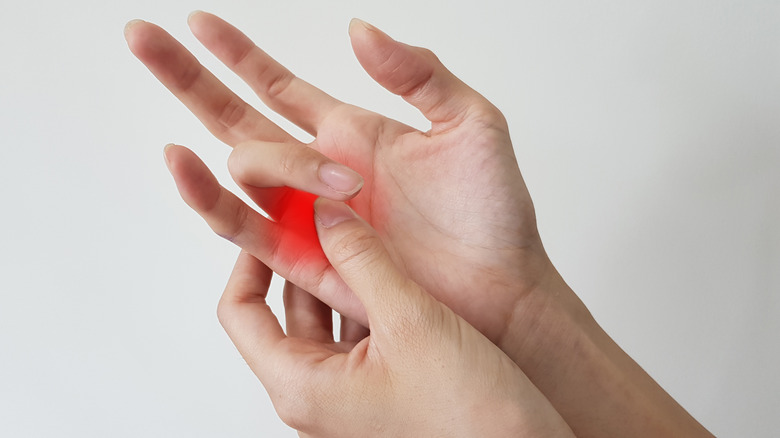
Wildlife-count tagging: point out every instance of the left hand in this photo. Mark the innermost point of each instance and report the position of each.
(449, 204)
(423, 371)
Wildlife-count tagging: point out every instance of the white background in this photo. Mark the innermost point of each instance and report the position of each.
(648, 133)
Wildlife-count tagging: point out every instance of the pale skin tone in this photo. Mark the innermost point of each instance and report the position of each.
(449, 206)
(414, 375)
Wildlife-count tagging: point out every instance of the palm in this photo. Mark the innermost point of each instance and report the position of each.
(450, 204)
(452, 208)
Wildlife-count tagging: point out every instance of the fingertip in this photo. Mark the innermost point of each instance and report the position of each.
(166, 151)
(197, 21)
(173, 153)
(414, 73)
(329, 213)
(143, 38)
(134, 38)
(357, 23)
(197, 186)
(396, 66)
(192, 15)
(362, 33)
(130, 24)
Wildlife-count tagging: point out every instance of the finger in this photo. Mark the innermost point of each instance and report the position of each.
(268, 164)
(293, 98)
(392, 300)
(351, 331)
(220, 110)
(415, 74)
(200, 190)
(306, 316)
(287, 367)
(289, 246)
(248, 320)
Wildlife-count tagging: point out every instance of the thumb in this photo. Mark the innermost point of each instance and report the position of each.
(392, 300)
(414, 73)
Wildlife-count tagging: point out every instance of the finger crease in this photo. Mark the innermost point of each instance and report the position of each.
(189, 77)
(279, 84)
(231, 113)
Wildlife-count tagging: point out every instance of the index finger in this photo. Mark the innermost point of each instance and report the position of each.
(246, 317)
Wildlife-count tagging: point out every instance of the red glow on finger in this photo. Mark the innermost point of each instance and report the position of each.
(299, 243)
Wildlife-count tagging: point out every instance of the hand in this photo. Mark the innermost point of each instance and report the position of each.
(422, 371)
(449, 204)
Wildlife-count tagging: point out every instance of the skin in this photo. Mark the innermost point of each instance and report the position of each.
(412, 376)
(449, 205)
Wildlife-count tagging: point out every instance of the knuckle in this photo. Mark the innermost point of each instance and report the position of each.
(411, 317)
(356, 250)
(297, 158)
(231, 113)
(188, 77)
(278, 83)
(428, 54)
(488, 113)
(288, 413)
(287, 416)
(300, 404)
(290, 160)
(233, 227)
(292, 416)
(243, 57)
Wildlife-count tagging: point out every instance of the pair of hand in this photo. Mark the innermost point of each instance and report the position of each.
(452, 223)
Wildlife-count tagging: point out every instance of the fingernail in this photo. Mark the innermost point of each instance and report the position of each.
(165, 154)
(340, 178)
(131, 23)
(192, 14)
(331, 213)
(358, 22)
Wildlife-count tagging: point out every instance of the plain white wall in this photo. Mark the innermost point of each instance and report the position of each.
(648, 133)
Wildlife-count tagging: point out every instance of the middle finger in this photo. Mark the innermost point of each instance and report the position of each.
(220, 110)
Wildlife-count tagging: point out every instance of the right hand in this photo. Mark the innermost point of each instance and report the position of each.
(423, 371)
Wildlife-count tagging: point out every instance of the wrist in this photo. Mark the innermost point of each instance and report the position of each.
(597, 388)
(520, 411)
(549, 318)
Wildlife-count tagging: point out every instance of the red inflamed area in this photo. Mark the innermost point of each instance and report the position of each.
(299, 242)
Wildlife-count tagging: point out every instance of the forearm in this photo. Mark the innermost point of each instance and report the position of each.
(597, 388)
